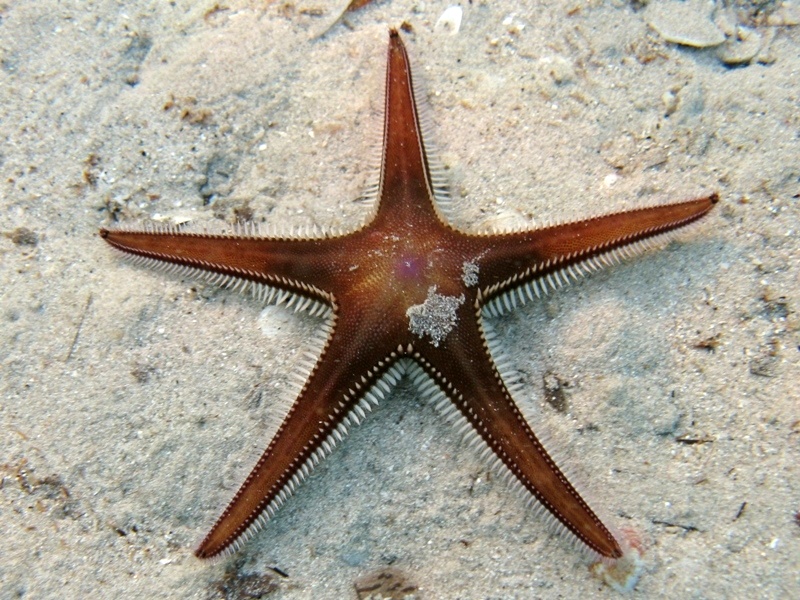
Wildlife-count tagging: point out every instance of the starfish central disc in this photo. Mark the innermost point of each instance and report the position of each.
(410, 268)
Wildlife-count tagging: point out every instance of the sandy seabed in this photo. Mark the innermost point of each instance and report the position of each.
(133, 403)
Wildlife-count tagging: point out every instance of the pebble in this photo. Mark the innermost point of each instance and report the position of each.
(741, 48)
(786, 15)
(670, 101)
(684, 23)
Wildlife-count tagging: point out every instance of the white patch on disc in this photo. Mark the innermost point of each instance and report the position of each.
(469, 273)
(435, 317)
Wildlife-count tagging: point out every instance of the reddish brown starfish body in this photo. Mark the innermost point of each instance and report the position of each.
(407, 293)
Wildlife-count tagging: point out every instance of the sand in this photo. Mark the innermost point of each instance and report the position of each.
(133, 402)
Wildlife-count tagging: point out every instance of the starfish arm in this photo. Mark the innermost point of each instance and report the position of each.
(547, 255)
(468, 376)
(264, 263)
(407, 183)
(340, 389)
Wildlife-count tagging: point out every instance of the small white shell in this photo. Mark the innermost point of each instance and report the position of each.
(450, 20)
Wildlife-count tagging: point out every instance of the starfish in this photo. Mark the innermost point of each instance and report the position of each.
(407, 294)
